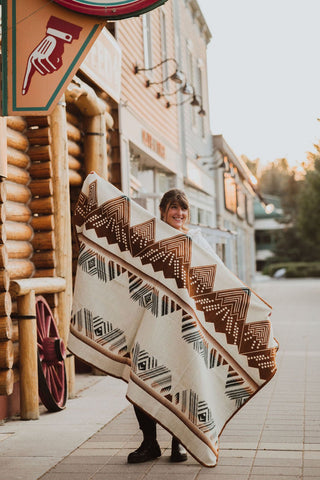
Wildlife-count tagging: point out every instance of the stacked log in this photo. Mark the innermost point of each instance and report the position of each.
(76, 165)
(15, 245)
(75, 150)
(18, 213)
(41, 204)
(6, 326)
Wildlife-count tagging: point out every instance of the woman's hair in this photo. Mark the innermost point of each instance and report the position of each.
(173, 196)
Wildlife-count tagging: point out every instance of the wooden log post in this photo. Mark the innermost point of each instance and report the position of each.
(62, 217)
(25, 291)
(29, 399)
(95, 146)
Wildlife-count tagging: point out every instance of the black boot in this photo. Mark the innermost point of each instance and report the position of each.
(148, 450)
(178, 452)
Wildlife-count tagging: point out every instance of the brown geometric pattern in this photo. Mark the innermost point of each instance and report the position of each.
(255, 336)
(150, 307)
(142, 236)
(172, 256)
(201, 279)
(225, 309)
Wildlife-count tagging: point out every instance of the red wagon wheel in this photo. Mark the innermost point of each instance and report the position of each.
(51, 356)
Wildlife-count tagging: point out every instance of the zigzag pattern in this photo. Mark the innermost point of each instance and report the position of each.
(226, 309)
(147, 368)
(100, 330)
(172, 256)
(93, 263)
(192, 334)
(142, 236)
(235, 389)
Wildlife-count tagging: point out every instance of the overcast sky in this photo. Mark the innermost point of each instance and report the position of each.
(264, 76)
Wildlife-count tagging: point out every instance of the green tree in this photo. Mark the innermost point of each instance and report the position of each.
(308, 218)
(292, 246)
(274, 178)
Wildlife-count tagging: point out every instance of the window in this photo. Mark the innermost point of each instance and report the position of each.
(147, 45)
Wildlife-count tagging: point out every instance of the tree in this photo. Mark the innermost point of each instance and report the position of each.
(292, 246)
(308, 218)
(253, 165)
(274, 178)
(280, 180)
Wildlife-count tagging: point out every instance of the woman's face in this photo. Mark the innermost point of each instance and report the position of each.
(176, 216)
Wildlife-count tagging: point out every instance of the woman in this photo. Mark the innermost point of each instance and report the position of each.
(174, 210)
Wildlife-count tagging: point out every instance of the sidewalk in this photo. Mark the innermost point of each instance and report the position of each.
(28, 449)
(275, 436)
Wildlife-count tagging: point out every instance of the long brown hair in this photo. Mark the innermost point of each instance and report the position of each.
(174, 196)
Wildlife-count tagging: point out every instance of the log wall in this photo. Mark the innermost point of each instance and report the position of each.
(41, 204)
(15, 245)
(27, 216)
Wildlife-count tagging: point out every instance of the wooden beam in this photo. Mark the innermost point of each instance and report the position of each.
(38, 285)
(29, 397)
(62, 217)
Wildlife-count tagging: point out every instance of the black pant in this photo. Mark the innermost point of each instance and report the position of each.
(149, 426)
(146, 424)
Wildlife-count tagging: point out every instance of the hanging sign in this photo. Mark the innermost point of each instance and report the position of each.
(103, 64)
(43, 46)
(113, 9)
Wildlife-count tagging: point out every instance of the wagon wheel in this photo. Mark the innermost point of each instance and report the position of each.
(51, 356)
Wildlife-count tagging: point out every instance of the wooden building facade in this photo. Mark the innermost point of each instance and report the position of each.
(135, 139)
(48, 158)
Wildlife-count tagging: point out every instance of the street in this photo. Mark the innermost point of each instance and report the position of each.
(276, 435)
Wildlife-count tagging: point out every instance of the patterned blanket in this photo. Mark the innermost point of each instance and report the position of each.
(156, 310)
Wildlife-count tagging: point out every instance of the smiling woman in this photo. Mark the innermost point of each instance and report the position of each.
(114, 9)
(174, 209)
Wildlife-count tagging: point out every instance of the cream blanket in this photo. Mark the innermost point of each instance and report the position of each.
(151, 307)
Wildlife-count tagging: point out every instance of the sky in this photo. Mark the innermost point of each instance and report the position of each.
(264, 76)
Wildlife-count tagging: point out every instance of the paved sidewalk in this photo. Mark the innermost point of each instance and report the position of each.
(275, 436)
(28, 449)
